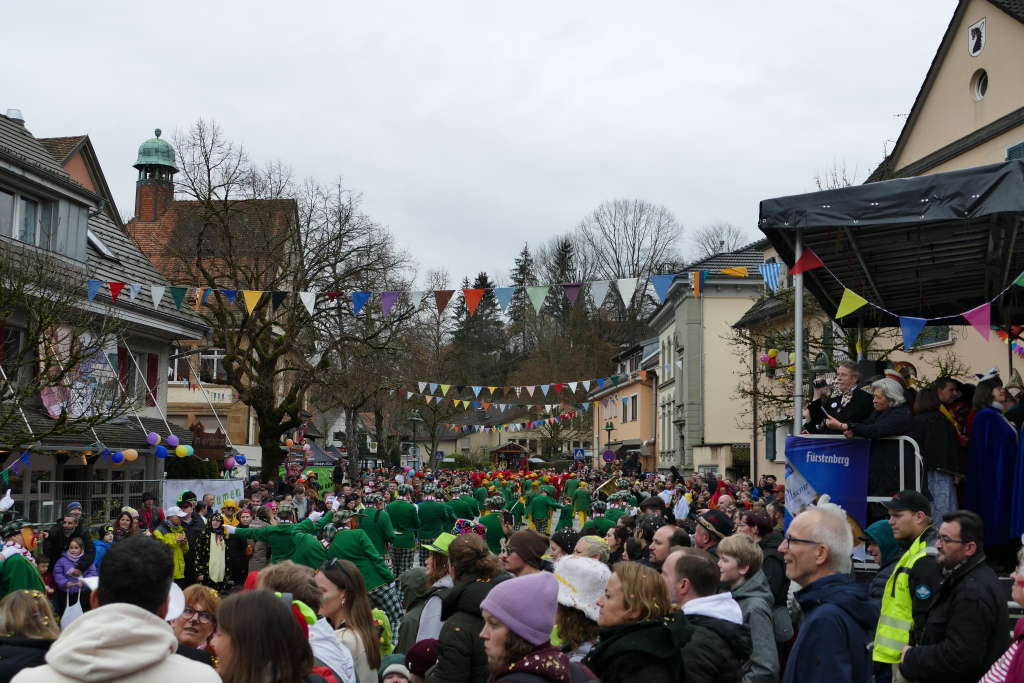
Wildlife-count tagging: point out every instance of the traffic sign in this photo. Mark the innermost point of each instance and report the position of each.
(609, 456)
(577, 454)
(439, 456)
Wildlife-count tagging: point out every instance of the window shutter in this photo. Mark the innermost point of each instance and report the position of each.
(122, 367)
(1015, 152)
(152, 378)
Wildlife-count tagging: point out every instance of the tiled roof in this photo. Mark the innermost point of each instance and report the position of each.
(61, 148)
(19, 142)
(118, 434)
(132, 267)
(1015, 8)
(763, 309)
(750, 255)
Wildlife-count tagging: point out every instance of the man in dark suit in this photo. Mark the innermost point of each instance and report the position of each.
(847, 403)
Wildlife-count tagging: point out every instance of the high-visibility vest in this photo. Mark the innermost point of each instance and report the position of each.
(897, 619)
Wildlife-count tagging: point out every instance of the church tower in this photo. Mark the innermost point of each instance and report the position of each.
(154, 190)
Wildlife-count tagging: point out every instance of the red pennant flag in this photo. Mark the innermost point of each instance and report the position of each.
(473, 297)
(558, 388)
(331, 296)
(115, 289)
(442, 297)
(808, 261)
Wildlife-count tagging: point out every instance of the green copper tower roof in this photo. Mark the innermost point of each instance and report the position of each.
(156, 152)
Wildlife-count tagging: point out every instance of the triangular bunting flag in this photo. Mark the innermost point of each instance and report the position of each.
(387, 300)
(472, 297)
(572, 290)
(627, 287)
(544, 388)
(476, 391)
(600, 382)
(911, 328)
(445, 388)
(1020, 280)
(276, 299)
(93, 287)
(980, 319)
(433, 387)
(441, 298)
(697, 279)
(504, 296)
(200, 291)
(252, 298)
(157, 292)
(529, 390)
(615, 380)
(587, 384)
(331, 296)
(115, 290)
(423, 386)
(738, 271)
(134, 291)
(679, 364)
(558, 388)
(807, 261)
(599, 291)
(308, 300)
(537, 294)
(178, 295)
(573, 386)
(770, 273)
(229, 294)
(359, 300)
(849, 303)
(661, 283)
(416, 298)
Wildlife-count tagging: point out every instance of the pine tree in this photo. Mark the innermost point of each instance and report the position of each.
(520, 308)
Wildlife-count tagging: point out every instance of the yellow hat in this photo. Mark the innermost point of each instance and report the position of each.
(228, 503)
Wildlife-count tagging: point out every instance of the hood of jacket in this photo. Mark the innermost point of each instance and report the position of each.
(468, 593)
(111, 641)
(843, 592)
(771, 542)
(881, 533)
(720, 606)
(754, 587)
(735, 635)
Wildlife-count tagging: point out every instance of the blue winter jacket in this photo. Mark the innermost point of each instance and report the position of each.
(101, 549)
(838, 628)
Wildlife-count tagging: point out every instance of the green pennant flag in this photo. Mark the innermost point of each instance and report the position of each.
(178, 294)
(1020, 280)
(615, 380)
(537, 295)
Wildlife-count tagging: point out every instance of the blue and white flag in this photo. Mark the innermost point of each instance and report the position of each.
(770, 273)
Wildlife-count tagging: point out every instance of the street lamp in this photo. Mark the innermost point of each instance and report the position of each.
(609, 427)
(414, 417)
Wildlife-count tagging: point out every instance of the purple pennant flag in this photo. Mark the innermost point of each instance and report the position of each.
(387, 300)
(572, 289)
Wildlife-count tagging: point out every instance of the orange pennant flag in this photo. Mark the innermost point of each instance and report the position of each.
(473, 297)
(252, 298)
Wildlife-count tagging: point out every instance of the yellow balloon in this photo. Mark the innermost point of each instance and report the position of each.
(772, 353)
(181, 451)
(130, 454)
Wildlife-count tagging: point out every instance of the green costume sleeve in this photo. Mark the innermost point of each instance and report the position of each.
(20, 574)
(389, 530)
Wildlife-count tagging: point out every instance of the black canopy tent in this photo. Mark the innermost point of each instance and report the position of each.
(931, 247)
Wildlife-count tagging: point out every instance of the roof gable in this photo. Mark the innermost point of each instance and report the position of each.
(66, 151)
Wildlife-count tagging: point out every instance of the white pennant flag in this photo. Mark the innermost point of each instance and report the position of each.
(627, 286)
(572, 386)
(599, 290)
(157, 291)
(587, 384)
(308, 300)
(415, 298)
(679, 364)
(423, 387)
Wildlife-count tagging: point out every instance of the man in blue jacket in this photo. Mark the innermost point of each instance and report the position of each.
(839, 616)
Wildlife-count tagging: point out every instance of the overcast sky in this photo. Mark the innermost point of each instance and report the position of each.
(471, 127)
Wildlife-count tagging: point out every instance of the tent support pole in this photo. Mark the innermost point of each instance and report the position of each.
(798, 341)
(860, 335)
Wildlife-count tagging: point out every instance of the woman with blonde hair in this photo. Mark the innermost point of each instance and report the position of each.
(194, 628)
(639, 641)
(27, 629)
(346, 605)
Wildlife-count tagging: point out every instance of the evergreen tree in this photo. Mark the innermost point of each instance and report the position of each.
(520, 308)
(479, 341)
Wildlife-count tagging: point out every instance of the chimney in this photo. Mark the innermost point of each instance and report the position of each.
(15, 115)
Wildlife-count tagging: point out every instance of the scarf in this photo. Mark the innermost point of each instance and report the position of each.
(120, 533)
(949, 416)
(22, 550)
(217, 558)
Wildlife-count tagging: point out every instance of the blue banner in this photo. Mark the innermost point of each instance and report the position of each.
(838, 467)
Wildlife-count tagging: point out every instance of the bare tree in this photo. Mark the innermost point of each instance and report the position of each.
(53, 352)
(717, 238)
(627, 238)
(835, 176)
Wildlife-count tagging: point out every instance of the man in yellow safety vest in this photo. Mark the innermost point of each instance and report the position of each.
(914, 582)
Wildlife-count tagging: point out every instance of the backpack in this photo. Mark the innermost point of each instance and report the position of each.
(410, 625)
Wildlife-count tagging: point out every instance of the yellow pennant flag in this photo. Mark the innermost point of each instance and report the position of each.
(445, 388)
(199, 297)
(850, 303)
(252, 297)
(738, 271)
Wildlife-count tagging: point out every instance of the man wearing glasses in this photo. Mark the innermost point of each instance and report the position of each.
(966, 629)
(839, 616)
(914, 582)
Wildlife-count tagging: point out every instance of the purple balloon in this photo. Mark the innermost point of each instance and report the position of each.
(172, 441)
(152, 438)
(229, 463)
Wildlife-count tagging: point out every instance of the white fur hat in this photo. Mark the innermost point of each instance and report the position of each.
(581, 581)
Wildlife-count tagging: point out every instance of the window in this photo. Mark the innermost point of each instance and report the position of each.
(933, 335)
(979, 84)
(28, 219)
(338, 436)
(6, 212)
(1015, 152)
(211, 369)
(99, 246)
(634, 402)
(770, 445)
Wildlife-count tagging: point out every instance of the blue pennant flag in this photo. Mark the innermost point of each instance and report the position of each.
(94, 288)
(661, 284)
(770, 273)
(359, 300)
(229, 294)
(504, 296)
(600, 382)
(911, 328)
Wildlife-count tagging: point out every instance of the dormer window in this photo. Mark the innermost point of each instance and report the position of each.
(25, 218)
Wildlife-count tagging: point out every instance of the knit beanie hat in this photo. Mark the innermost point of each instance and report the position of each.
(421, 656)
(566, 539)
(396, 668)
(581, 582)
(533, 619)
(531, 546)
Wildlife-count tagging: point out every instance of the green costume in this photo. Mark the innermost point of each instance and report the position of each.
(565, 517)
(405, 520)
(463, 508)
(495, 533)
(355, 546)
(378, 527)
(614, 514)
(19, 574)
(581, 500)
(435, 518)
(481, 495)
(531, 493)
(539, 512)
(570, 487)
(603, 524)
(518, 510)
(294, 542)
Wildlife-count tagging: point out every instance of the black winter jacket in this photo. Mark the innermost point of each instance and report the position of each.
(18, 653)
(936, 436)
(965, 631)
(774, 568)
(717, 652)
(856, 410)
(647, 652)
(460, 651)
(56, 542)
